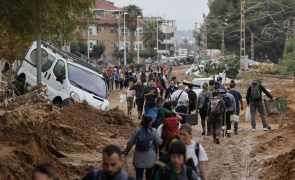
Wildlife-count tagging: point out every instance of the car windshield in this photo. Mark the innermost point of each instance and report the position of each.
(199, 82)
(87, 81)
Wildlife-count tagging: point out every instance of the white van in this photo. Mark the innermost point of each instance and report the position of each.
(65, 76)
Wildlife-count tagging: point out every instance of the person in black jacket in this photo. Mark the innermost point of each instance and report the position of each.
(254, 100)
(139, 94)
(112, 162)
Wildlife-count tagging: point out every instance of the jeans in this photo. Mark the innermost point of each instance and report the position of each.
(117, 83)
(183, 110)
(216, 122)
(140, 171)
(260, 107)
(203, 114)
(139, 102)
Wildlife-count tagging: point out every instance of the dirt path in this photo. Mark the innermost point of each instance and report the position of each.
(233, 158)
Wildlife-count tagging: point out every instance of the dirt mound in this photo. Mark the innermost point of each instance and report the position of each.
(38, 133)
(276, 149)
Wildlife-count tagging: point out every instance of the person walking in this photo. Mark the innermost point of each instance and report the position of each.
(182, 100)
(230, 104)
(254, 100)
(239, 103)
(215, 115)
(139, 97)
(170, 90)
(112, 166)
(192, 96)
(150, 94)
(176, 168)
(147, 142)
(130, 93)
(117, 80)
(194, 150)
(202, 107)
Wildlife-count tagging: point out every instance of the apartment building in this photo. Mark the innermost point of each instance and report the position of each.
(107, 28)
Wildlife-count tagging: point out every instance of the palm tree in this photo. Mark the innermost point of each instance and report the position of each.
(131, 21)
(150, 35)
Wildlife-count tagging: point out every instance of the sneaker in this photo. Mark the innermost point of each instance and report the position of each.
(217, 141)
(265, 129)
(253, 129)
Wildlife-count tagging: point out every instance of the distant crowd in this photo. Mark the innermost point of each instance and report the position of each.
(168, 109)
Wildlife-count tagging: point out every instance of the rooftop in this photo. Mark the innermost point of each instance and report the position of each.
(105, 5)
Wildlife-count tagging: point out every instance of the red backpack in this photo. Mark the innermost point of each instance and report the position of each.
(170, 128)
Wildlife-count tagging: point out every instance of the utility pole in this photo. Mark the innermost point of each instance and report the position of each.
(158, 41)
(222, 42)
(243, 63)
(252, 46)
(205, 37)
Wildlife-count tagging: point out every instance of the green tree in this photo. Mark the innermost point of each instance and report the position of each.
(98, 50)
(150, 35)
(28, 20)
(289, 55)
(83, 48)
(131, 22)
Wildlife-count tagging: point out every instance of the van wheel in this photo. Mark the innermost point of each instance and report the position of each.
(19, 84)
(57, 102)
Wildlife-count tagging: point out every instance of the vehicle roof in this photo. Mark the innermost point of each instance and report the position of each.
(71, 58)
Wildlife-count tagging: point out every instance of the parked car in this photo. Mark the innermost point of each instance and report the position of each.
(64, 77)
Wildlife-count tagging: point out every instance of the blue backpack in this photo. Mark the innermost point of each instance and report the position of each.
(227, 101)
(144, 139)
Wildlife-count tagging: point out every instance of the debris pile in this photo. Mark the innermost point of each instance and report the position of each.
(39, 132)
(277, 147)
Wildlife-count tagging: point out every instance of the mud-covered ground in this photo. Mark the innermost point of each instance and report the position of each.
(72, 139)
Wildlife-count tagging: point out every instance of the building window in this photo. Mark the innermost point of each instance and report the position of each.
(112, 30)
(90, 32)
(90, 45)
(139, 31)
(122, 31)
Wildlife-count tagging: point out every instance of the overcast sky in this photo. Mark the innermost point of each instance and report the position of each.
(185, 12)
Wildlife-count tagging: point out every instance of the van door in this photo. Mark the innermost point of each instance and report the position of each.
(55, 79)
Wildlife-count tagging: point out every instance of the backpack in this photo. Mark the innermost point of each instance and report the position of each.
(192, 96)
(215, 106)
(165, 173)
(206, 102)
(144, 139)
(170, 128)
(255, 92)
(227, 101)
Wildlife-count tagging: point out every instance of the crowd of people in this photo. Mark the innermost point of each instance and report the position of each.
(164, 145)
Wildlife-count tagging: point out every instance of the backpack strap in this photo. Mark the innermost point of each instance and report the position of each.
(189, 173)
(197, 150)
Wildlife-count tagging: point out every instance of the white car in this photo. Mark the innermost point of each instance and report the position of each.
(65, 76)
(199, 82)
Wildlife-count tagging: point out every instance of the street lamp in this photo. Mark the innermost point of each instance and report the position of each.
(125, 62)
(119, 39)
(137, 39)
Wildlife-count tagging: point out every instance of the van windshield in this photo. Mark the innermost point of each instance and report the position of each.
(87, 81)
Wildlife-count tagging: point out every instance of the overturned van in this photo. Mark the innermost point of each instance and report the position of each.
(65, 76)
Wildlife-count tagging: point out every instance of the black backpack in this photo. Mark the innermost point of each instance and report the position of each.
(227, 101)
(206, 102)
(192, 96)
(255, 92)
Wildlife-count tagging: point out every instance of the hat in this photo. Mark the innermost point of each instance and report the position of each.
(222, 90)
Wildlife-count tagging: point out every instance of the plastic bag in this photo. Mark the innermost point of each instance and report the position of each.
(236, 118)
(247, 114)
